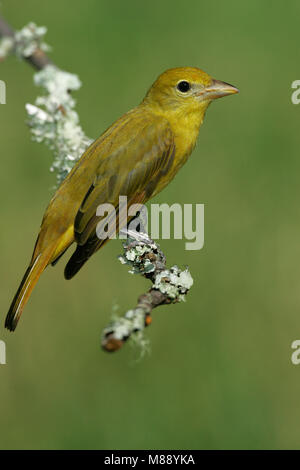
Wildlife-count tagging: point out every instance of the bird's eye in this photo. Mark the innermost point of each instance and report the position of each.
(183, 86)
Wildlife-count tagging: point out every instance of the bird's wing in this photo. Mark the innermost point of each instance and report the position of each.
(134, 168)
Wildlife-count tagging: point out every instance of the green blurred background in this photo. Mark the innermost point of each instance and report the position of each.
(220, 374)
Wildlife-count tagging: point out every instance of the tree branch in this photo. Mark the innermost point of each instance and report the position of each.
(38, 59)
(145, 257)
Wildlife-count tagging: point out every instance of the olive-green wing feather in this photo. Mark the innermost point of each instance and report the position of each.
(138, 162)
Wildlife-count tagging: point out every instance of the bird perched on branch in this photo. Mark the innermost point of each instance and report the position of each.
(135, 157)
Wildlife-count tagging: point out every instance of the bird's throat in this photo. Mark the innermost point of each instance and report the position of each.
(185, 124)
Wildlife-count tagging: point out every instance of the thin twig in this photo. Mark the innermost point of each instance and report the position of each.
(38, 59)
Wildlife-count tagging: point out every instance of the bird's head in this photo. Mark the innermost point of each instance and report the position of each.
(186, 89)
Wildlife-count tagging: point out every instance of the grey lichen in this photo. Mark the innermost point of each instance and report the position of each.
(131, 325)
(53, 120)
(174, 282)
(24, 42)
(141, 253)
(138, 260)
(30, 38)
(6, 46)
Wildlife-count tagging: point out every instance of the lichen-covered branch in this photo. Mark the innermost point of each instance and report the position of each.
(26, 44)
(145, 257)
(52, 118)
(54, 122)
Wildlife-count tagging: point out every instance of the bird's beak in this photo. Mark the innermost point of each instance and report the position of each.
(218, 89)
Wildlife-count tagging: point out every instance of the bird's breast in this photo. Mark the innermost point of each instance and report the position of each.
(185, 129)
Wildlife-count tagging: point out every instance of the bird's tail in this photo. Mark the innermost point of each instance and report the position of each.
(29, 280)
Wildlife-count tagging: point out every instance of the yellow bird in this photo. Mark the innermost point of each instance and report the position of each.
(137, 157)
